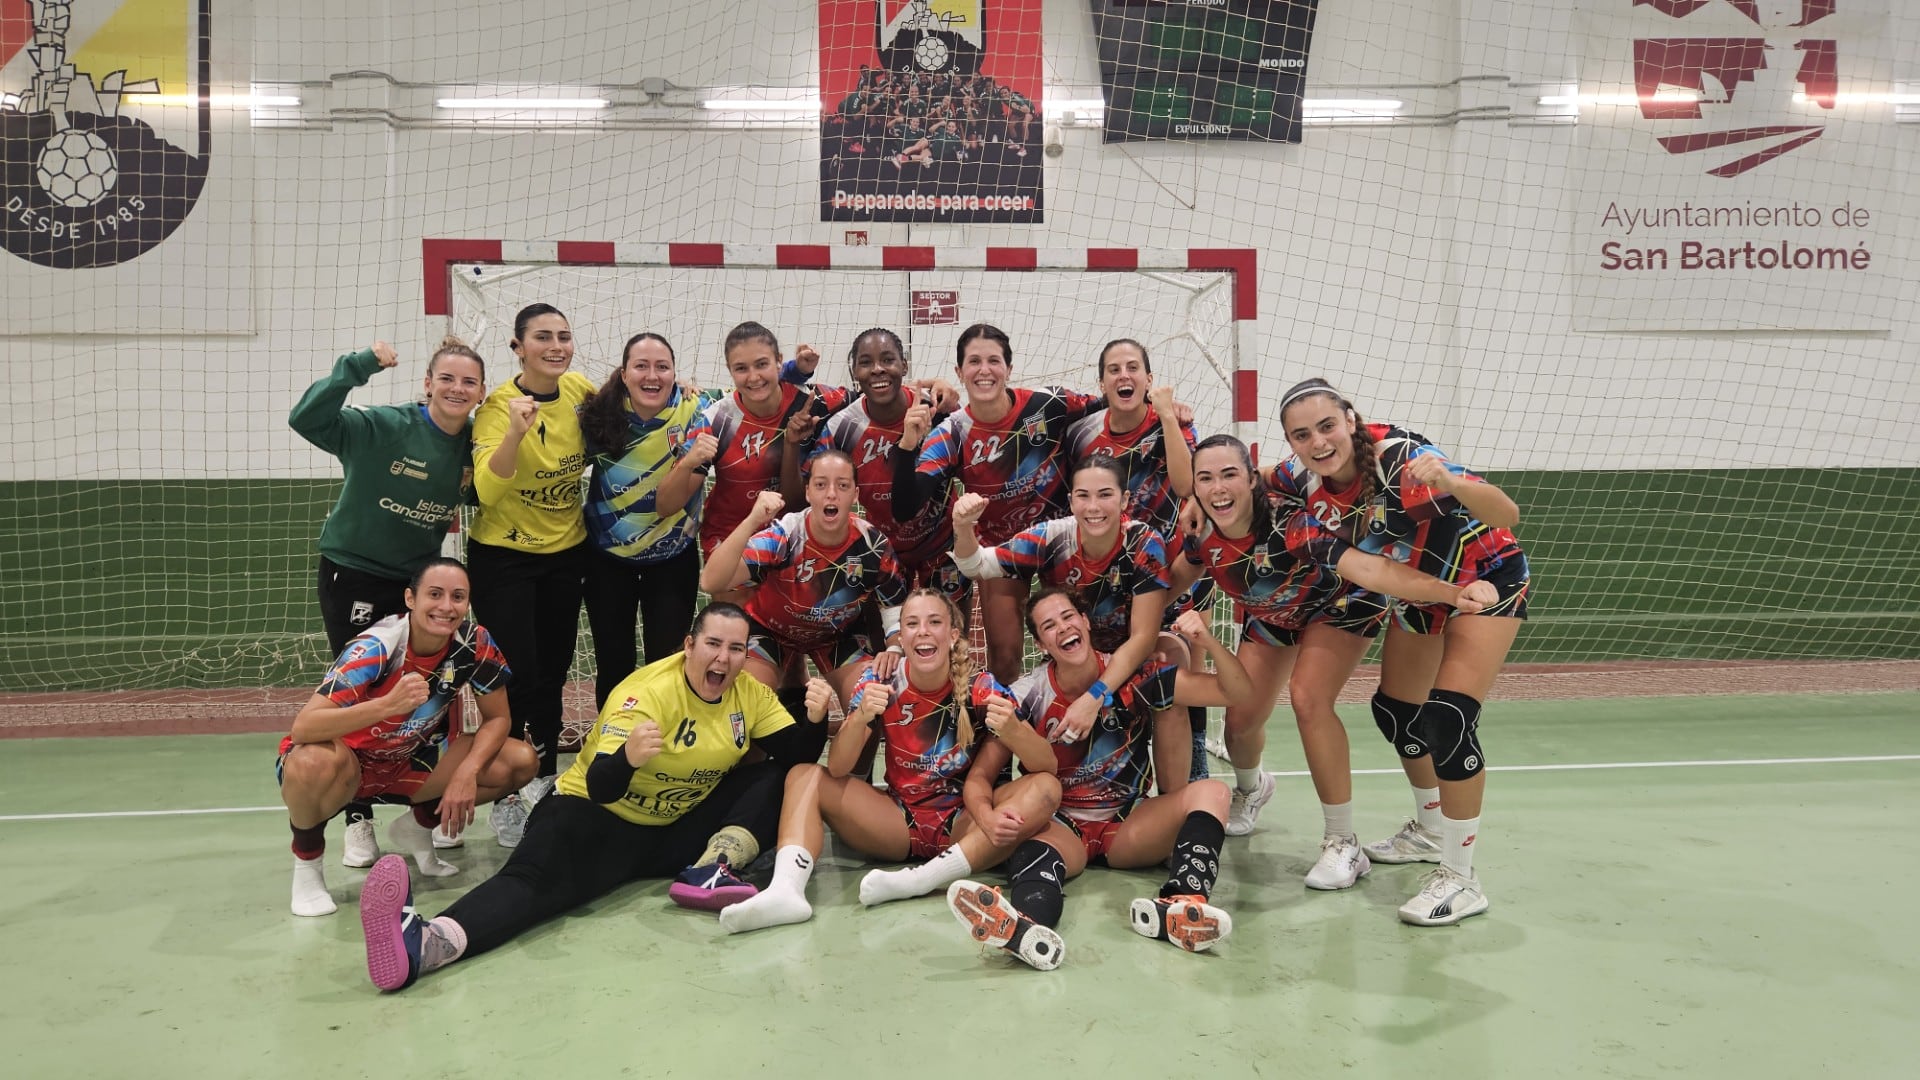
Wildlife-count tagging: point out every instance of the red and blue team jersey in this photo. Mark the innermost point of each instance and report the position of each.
(1281, 578)
(926, 765)
(748, 459)
(807, 594)
(371, 665)
(1405, 520)
(1137, 565)
(1104, 774)
(1017, 463)
(1142, 455)
(929, 534)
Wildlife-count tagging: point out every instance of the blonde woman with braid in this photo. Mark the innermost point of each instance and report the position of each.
(935, 715)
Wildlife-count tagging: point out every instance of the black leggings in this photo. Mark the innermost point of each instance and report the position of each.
(353, 600)
(664, 592)
(576, 850)
(530, 603)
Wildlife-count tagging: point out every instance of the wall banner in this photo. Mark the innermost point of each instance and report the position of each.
(125, 177)
(930, 110)
(1734, 171)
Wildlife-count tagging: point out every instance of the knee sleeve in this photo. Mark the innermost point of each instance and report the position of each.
(1451, 722)
(1038, 877)
(1399, 721)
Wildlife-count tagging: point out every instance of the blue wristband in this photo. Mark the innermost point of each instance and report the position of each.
(1099, 690)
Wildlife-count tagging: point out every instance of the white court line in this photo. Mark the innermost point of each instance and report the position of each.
(1569, 767)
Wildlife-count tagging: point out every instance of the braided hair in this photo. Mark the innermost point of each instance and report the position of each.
(1366, 455)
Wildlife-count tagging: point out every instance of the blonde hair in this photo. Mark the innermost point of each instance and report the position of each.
(960, 668)
(453, 346)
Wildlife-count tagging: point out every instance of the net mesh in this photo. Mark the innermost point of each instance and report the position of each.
(1489, 232)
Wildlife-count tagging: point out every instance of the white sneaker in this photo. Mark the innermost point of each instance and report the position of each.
(1341, 863)
(1246, 806)
(362, 847)
(508, 818)
(1413, 843)
(442, 840)
(1445, 898)
(509, 815)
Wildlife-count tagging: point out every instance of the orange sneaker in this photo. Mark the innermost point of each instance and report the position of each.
(990, 920)
(1187, 921)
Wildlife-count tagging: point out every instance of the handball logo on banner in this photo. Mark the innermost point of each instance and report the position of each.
(930, 35)
(83, 186)
(1677, 78)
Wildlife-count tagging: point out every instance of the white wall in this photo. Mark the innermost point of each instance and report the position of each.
(1424, 267)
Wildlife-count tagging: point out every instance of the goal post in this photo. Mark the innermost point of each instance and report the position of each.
(1194, 308)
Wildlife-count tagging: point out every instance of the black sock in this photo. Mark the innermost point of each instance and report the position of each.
(359, 811)
(1196, 856)
(1038, 874)
(310, 843)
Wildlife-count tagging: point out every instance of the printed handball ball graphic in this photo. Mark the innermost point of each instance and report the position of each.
(931, 53)
(76, 168)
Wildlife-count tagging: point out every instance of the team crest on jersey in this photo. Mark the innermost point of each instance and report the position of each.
(82, 185)
(1262, 560)
(1034, 429)
(739, 722)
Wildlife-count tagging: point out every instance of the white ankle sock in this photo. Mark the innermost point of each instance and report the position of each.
(1339, 818)
(1426, 808)
(408, 835)
(782, 902)
(443, 942)
(880, 886)
(310, 896)
(1456, 844)
(1247, 779)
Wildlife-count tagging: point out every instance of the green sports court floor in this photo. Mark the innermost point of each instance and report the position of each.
(1682, 886)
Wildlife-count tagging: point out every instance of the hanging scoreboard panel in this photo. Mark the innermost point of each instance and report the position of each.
(1203, 69)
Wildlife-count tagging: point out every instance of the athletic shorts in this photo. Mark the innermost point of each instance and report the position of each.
(851, 648)
(943, 575)
(1508, 574)
(1355, 611)
(929, 828)
(1096, 836)
(388, 780)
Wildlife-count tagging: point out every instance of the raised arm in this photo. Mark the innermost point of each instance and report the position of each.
(321, 416)
(726, 568)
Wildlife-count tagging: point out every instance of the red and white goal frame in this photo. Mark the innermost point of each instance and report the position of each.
(440, 257)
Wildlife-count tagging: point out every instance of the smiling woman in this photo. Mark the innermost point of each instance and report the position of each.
(659, 776)
(528, 541)
(407, 469)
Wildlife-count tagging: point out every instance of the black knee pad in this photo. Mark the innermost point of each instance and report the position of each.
(1399, 721)
(1039, 874)
(1451, 721)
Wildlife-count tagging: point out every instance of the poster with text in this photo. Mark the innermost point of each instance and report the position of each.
(125, 173)
(930, 110)
(1737, 167)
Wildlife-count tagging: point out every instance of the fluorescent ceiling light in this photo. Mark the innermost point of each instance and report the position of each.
(1351, 105)
(255, 101)
(754, 105)
(506, 104)
(1664, 97)
(1866, 99)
